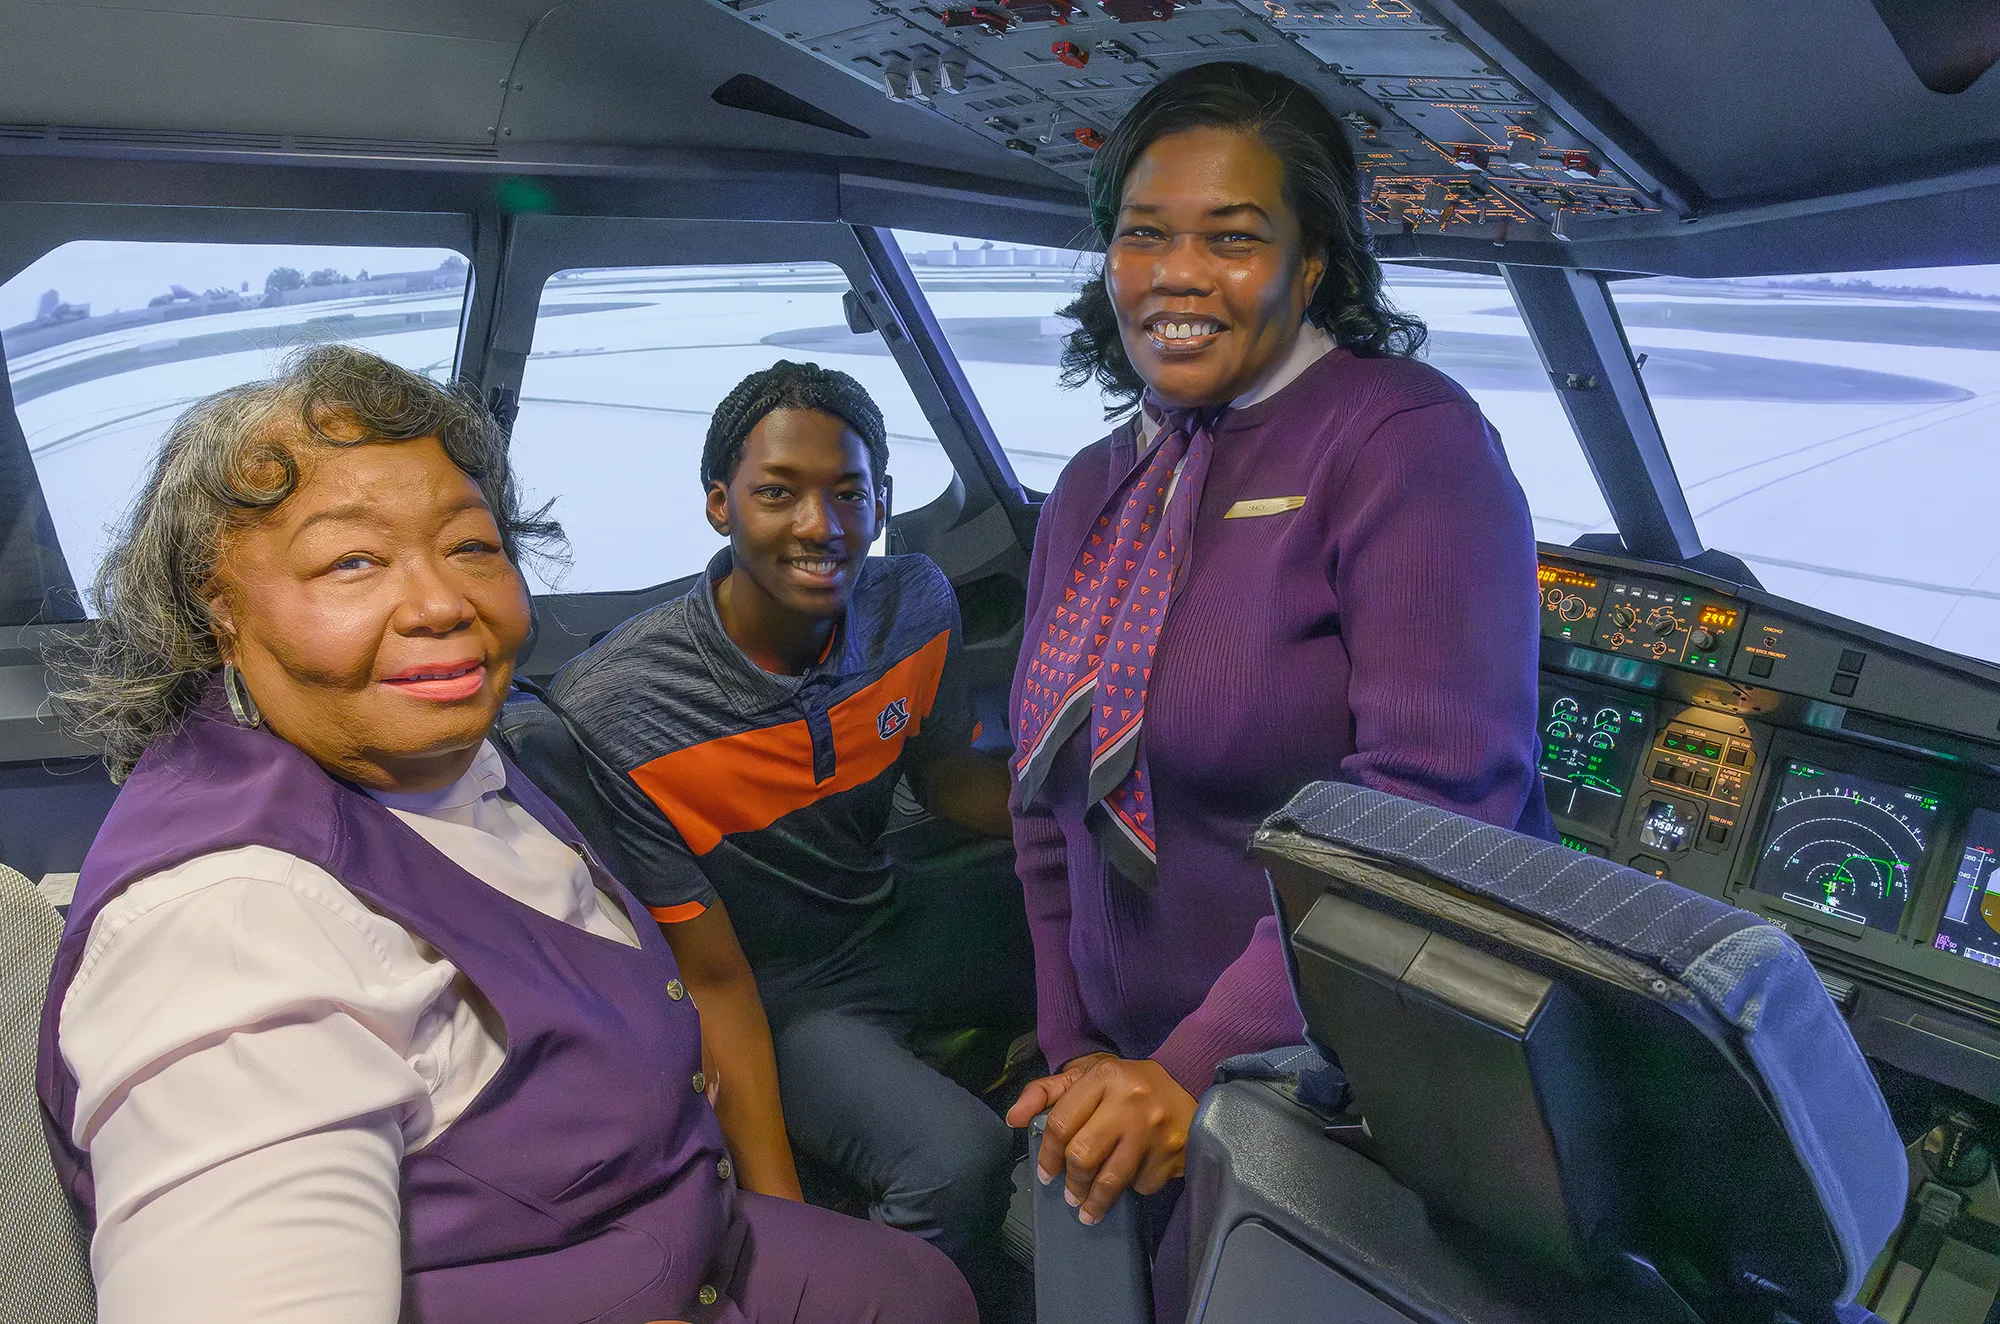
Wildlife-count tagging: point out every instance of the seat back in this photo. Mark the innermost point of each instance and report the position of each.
(45, 1254)
(1580, 1062)
(542, 745)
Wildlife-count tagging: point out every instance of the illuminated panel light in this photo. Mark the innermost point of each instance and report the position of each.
(1717, 618)
(1555, 574)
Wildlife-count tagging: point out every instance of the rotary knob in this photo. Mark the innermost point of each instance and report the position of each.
(1701, 641)
(1571, 609)
(1623, 617)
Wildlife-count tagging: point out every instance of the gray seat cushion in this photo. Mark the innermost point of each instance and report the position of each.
(45, 1254)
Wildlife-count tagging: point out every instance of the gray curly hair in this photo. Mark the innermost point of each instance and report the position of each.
(228, 460)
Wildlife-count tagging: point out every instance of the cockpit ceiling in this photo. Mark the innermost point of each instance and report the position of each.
(1772, 100)
(1501, 119)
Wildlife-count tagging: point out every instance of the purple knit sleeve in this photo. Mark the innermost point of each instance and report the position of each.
(1434, 571)
(1249, 1009)
(1041, 853)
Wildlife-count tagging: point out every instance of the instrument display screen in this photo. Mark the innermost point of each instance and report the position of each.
(1845, 846)
(1592, 741)
(1970, 925)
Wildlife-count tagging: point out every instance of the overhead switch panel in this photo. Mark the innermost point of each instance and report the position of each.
(1446, 141)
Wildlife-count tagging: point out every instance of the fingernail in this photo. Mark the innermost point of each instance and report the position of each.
(1070, 1196)
(1086, 1218)
(1044, 1174)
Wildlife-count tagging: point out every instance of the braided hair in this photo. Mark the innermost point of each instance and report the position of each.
(1321, 187)
(788, 385)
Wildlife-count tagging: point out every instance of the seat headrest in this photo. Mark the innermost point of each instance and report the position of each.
(1787, 1083)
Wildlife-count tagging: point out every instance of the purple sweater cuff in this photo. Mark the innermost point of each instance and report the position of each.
(1250, 1009)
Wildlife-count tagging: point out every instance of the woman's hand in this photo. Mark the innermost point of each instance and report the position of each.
(1113, 1123)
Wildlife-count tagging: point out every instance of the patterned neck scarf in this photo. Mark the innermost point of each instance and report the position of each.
(1094, 655)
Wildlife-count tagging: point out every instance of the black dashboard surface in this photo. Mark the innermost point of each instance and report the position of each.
(1842, 782)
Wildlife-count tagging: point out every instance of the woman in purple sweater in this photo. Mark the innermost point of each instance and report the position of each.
(1304, 558)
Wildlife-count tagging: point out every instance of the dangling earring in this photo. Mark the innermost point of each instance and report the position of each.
(241, 706)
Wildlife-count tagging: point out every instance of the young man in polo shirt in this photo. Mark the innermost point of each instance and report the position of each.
(749, 736)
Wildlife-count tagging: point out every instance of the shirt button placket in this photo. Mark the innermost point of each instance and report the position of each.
(700, 1081)
(676, 990)
(723, 1169)
(706, 1295)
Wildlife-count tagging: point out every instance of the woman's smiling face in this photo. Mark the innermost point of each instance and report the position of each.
(1206, 266)
(374, 614)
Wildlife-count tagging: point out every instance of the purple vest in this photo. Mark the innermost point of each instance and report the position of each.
(583, 1183)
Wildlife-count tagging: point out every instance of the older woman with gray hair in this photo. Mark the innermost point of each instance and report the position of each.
(346, 1024)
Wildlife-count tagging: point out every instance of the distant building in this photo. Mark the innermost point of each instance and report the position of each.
(989, 256)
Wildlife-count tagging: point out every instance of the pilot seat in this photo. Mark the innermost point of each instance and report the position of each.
(1575, 1093)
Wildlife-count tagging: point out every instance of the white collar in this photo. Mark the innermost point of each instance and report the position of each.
(486, 776)
(1312, 345)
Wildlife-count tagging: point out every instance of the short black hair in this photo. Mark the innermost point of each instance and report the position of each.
(788, 385)
(1321, 187)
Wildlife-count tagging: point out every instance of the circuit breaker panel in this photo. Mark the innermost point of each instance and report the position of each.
(1446, 142)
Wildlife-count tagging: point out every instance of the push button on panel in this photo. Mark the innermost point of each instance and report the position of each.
(1760, 665)
(1851, 660)
(1843, 685)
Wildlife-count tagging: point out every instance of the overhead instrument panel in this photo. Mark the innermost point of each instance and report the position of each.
(1846, 846)
(1445, 141)
(1970, 925)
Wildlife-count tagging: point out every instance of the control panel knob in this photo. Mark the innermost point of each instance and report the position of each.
(1571, 609)
(1664, 626)
(1623, 617)
(1701, 641)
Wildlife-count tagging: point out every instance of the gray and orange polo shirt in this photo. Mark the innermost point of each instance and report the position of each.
(771, 792)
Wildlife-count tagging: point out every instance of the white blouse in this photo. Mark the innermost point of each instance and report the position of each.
(255, 1051)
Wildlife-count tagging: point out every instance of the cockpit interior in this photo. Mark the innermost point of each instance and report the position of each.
(1724, 278)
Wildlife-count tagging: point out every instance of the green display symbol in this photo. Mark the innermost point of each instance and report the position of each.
(1841, 874)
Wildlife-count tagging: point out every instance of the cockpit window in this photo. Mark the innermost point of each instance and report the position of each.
(1836, 432)
(107, 340)
(1478, 339)
(627, 368)
(998, 306)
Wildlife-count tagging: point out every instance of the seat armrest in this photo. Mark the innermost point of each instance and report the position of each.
(1087, 1274)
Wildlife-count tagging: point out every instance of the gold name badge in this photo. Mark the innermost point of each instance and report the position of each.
(1263, 506)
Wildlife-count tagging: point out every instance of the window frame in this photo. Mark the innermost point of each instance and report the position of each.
(37, 584)
(981, 523)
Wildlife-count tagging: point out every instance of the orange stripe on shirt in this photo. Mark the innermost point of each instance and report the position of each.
(744, 782)
(680, 914)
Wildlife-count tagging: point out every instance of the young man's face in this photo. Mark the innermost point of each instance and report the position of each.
(801, 511)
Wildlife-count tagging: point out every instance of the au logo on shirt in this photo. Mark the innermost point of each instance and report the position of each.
(893, 718)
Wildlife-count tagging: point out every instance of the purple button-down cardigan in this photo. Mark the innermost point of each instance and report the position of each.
(1382, 632)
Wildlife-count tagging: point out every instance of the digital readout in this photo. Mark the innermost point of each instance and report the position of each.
(1548, 574)
(1718, 618)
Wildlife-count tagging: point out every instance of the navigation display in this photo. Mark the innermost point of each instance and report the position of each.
(1844, 845)
(1970, 925)
(1591, 744)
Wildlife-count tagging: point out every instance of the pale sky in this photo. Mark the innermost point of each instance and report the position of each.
(114, 274)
